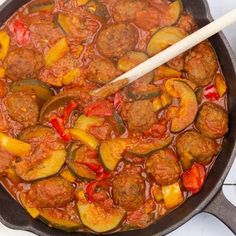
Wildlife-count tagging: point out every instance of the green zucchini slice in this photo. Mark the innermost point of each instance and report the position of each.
(164, 38)
(42, 6)
(143, 92)
(39, 88)
(111, 152)
(119, 122)
(50, 216)
(146, 149)
(99, 220)
(76, 155)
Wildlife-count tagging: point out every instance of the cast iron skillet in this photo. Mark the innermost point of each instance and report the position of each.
(210, 199)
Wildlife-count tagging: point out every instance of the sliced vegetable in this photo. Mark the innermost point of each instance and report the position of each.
(84, 137)
(42, 91)
(20, 32)
(111, 152)
(143, 92)
(169, 86)
(220, 85)
(81, 2)
(130, 60)
(63, 22)
(98, 219)
(67, 175)
(56, 52)
(68, 78)
(51, 217)
(77, 155)
(166, 72)
(145, 149)
(188, 104)
(14, 146)
(157, 193)
(172, 195)
(211, 93)
(194, 178)
(100, 108)
(4, 44)
(164, 38)
(41, 7)
(68, 110)
(119, 122)
(199, 94)
(58, 125)
(48, 167)
(175, 10)
(2, 72)
(85, 122)
(57, 101)
(162, 102)
(118, 101)
(11, 174)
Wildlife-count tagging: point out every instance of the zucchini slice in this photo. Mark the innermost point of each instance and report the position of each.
(57, 101)
(119, 123)
(175, 11)
(63, 22)
(42, 6)
(111, 152)
(85, 122)
(76, 155)
(50, 166)
(50, 216)
(99, 220)
(143, 92)
(146, 149)
(164, 38)
(42, 91)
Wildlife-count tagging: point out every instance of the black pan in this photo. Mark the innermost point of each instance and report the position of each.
(210, 199)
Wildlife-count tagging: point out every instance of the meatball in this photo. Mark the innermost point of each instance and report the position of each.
(141, 115)
(212, 120)
(201, 64)
(22, 107)
(52, 192)
(192, 146)
(177, 63)
(163, 166)
(117, 39)
(23, 63)
(129, 190)
(101, 71)
(126, 10)
(187, 23)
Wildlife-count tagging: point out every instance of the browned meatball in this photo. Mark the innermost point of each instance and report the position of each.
(163, 166)
(212, 120)
(201, 64)
(101, 71)
(141, 115)
(126, 10)
(23, 63)
(117, 39)
(129, 190)
(192, 146)
(22, 107)
(187, 23)
(52, 192)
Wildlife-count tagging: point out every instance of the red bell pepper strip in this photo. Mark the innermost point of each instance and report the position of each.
(104, 175)
(97, 168)
(100, 108)
(211, 93)
(20, 32)
(118, 101)
(59, 127)
(68, 110)
(90, 190)
(194, 178)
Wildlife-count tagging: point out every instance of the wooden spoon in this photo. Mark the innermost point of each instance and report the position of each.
(166, 55)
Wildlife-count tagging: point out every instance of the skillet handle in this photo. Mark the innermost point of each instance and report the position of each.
(225, 211)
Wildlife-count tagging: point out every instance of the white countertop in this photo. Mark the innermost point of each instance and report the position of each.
(202, 224)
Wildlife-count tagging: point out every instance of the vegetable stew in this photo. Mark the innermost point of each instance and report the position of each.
(113, 162)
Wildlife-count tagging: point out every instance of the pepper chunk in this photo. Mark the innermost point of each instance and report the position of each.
(100, 108)
(194, 178)
(4, 44)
